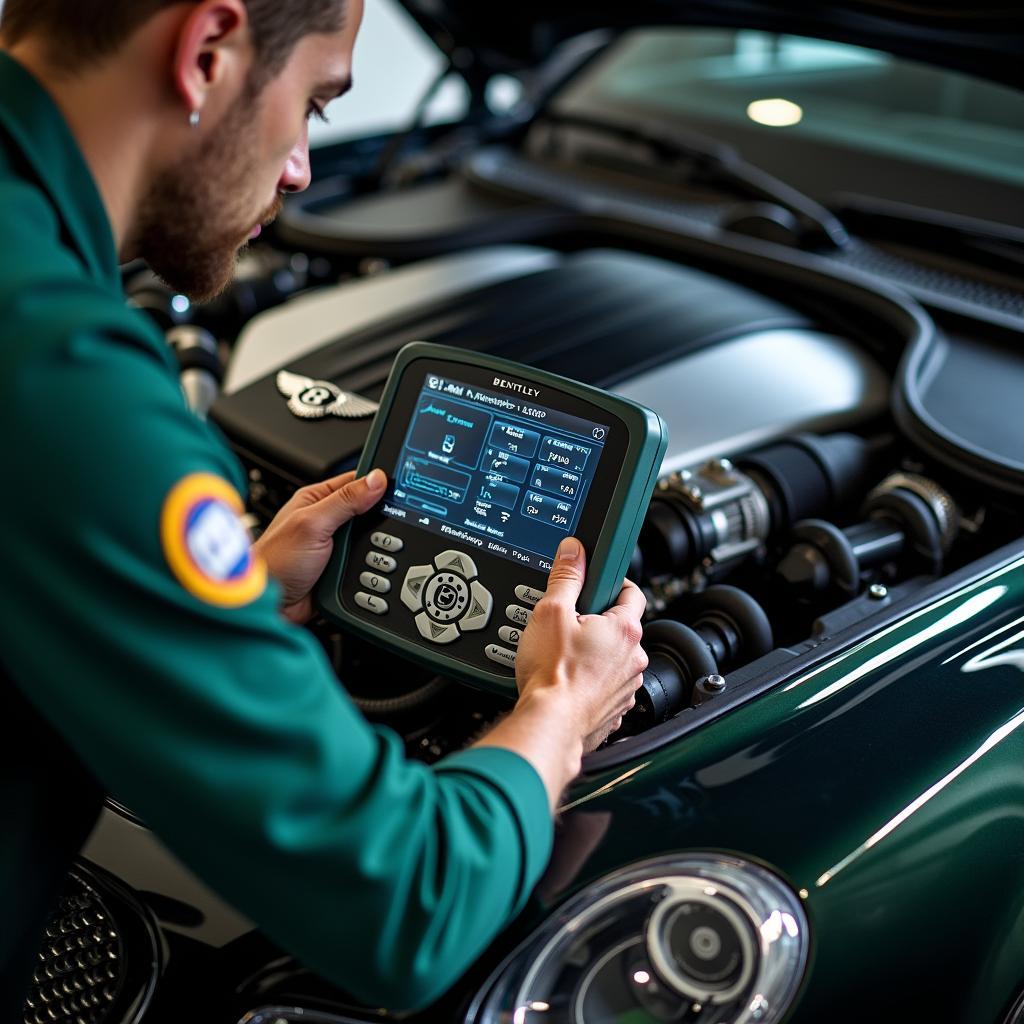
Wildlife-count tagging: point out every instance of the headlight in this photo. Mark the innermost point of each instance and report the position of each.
(662, 940)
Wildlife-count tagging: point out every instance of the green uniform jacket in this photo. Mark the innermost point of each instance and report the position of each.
(142, 655)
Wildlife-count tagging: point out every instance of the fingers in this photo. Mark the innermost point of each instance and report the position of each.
(313, 493)
(350, 499)
(631, 599)
(358, 496)
(567, 574)
(335, 482)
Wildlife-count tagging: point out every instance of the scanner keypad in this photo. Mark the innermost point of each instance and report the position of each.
(446, 597)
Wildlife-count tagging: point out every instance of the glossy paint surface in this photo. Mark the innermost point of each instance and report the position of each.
(886, 785)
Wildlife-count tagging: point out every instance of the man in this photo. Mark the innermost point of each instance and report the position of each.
(136, 657)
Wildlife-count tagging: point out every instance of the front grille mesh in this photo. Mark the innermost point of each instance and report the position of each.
(79, 970)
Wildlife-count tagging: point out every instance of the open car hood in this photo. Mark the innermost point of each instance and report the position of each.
(985, 39)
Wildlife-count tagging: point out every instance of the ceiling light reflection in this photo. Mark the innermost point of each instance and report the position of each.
(775, 112)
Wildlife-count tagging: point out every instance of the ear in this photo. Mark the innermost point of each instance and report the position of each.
(213, 53)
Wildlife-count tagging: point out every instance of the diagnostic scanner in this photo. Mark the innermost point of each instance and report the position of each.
(490, 465)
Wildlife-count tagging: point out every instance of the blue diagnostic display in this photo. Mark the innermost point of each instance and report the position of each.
(498, 467)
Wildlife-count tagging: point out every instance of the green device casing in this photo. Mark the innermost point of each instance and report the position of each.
(607, 559)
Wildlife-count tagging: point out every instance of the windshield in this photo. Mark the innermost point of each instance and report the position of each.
(798, 89)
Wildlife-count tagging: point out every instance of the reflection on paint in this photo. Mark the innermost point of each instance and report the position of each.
(992, 657)
(958, 616)
(902, 623)
(915, 805)
(984, 640)
(608, 786)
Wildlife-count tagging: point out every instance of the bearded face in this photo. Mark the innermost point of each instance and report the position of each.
(200, 212)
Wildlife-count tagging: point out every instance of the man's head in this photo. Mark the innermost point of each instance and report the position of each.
(252, 70)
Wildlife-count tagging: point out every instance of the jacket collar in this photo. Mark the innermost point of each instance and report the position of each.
(38, 130)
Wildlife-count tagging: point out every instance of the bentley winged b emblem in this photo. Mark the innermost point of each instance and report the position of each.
(314, 399)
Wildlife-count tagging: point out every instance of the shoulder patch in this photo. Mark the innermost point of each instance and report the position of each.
(206, 544)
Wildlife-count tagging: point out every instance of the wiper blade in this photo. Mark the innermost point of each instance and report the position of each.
(706, 160)
(980, 242)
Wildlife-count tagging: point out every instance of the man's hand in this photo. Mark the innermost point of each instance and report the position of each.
(577, 674)
(298, 543)
(594, 662)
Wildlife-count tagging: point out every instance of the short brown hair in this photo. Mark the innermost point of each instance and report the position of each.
(84, 31)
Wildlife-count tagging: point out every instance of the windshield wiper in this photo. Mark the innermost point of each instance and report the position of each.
(708, 161)
(979, 242)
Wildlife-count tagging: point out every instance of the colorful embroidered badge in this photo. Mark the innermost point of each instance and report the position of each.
(206, 544)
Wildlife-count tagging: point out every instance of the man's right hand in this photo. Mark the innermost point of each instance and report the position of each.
(577, 674)
(591, 664)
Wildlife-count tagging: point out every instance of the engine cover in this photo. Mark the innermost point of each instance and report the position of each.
(726, 367)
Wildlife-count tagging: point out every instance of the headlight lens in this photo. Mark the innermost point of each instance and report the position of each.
(661, 940)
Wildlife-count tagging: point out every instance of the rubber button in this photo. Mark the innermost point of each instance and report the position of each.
(387, 542)
(517, 614)
(480, 605)
(435, 632)
(412, 588)
(380, 562)
(457, 562)
(529, 595)
(375, 582)
(501, 655)
(510, 635)
(371, 603)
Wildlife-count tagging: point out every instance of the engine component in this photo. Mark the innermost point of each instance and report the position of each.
(926, 511)
(713, 515)
(678, 658)
(685, 662)
(733, 625)
(263, 279)
(910, 520)
(166, 307)
(709, 519)
(201, 368)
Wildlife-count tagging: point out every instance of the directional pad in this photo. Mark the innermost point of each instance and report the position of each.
(412, 588)
(446, 597)
(479, 612)
(456, 561)
(435, 632)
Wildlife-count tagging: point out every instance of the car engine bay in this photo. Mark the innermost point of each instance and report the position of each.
(834, 449)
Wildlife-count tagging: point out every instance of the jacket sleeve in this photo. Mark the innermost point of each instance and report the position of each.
(222, 726)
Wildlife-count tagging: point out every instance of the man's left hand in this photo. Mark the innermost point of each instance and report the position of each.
(298, 542)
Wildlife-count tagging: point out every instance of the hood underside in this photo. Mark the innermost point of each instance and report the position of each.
(986, 39)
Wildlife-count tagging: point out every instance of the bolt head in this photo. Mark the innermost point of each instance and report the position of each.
(715, 682)
(877, 591)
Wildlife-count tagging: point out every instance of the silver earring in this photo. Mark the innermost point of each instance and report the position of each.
(193, 119)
